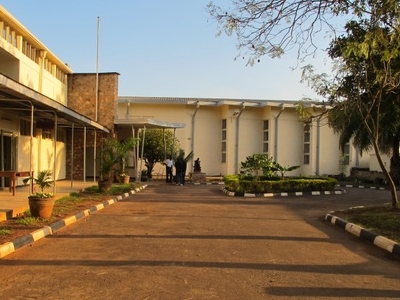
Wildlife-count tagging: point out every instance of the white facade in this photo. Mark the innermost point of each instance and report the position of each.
(245, 132)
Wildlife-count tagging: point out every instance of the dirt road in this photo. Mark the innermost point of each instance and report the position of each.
(194, 242)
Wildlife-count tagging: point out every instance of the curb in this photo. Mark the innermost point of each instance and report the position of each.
(268, 195)
(10, 247)
(363, 187)
(208, 183)
(377, 240)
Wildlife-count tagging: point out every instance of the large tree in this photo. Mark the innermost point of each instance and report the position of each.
(158, 144)
(273, 26)
(368, 76)
(365, 93)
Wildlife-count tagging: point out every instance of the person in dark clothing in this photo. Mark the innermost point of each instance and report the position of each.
(179, 167)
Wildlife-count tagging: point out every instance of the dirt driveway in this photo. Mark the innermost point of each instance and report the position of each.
(194, 242)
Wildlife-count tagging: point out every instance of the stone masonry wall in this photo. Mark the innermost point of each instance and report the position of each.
(82, 99)
(82, 96)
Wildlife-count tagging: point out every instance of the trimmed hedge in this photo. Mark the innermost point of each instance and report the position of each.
(248, 184)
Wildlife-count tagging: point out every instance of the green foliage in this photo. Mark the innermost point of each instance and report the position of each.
(283, 169)
(42, 181)
(257, 164)
(364, 92)
(122, 149)
(27, 221)
(115, 189)
(249, 185)
(382, 219)
(109, 159)
(5, 231)
(270, 27)
(113, 154)
(155, 150)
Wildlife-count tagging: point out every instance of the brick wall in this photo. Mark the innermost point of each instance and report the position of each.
(82, 96)
(82, 99)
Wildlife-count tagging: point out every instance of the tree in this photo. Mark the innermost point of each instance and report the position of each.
(369, 54)
(271, 27)
(256, 164)
(158, 144)
(366, 90)
(122, 148)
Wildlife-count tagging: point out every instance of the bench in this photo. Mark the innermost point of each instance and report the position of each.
(12, 175)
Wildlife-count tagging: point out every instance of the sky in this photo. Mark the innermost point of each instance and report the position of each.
(160, 48)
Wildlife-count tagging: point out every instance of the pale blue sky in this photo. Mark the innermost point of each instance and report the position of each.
(160, 48)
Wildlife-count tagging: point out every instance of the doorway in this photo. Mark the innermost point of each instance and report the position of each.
(7, 154)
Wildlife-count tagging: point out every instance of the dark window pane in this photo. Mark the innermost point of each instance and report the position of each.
(224, 124)
(306, 137)
(265, 148)
(306, 148)
(266, 125)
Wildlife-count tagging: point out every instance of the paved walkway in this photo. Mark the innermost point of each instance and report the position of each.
(194, 242)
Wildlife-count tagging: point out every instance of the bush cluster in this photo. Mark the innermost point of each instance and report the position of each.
(264, 184)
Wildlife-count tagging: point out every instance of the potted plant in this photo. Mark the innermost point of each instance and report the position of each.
(108, 162)
(41, 203)
(122, 148)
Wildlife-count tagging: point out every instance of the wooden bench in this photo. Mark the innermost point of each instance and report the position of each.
(12, 175)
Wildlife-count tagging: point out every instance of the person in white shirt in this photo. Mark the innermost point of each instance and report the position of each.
(168, 165)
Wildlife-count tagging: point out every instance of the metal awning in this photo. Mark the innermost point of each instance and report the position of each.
(143, 123)
(148, 123)
(15, 96)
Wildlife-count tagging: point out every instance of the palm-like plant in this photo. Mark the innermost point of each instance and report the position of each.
(43, 181)
(283, 169)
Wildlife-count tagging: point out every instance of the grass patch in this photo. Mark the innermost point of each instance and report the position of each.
(26, 221)
(382, 220)
(5, 231)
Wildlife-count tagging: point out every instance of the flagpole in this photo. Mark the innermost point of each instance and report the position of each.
(97, 100)
(97, 67)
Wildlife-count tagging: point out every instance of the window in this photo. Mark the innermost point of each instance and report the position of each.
(223, 139)
(46, 134)
(25, 127)
(265, 136)
(306, 142)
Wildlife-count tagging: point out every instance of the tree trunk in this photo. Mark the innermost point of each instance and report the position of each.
(395, 162)
(392, 186)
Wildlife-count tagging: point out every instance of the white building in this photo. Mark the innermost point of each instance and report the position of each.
(52, 118)
(223, 132)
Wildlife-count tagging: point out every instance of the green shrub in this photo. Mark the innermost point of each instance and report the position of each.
(268, 184)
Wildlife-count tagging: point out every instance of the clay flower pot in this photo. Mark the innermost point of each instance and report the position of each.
(41, 207)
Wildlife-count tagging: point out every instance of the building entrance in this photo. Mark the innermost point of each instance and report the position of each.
(7, 154)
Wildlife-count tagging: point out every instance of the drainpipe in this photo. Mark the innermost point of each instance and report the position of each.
(318, 145)
(193, 130)
(237, 137)
(141, 161)
(55, 151)
(276, 132)
(71, 168)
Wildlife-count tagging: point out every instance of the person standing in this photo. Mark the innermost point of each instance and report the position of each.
(179, 165)
(168, 166)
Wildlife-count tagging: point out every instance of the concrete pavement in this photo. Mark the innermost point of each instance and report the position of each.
(194, 242)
